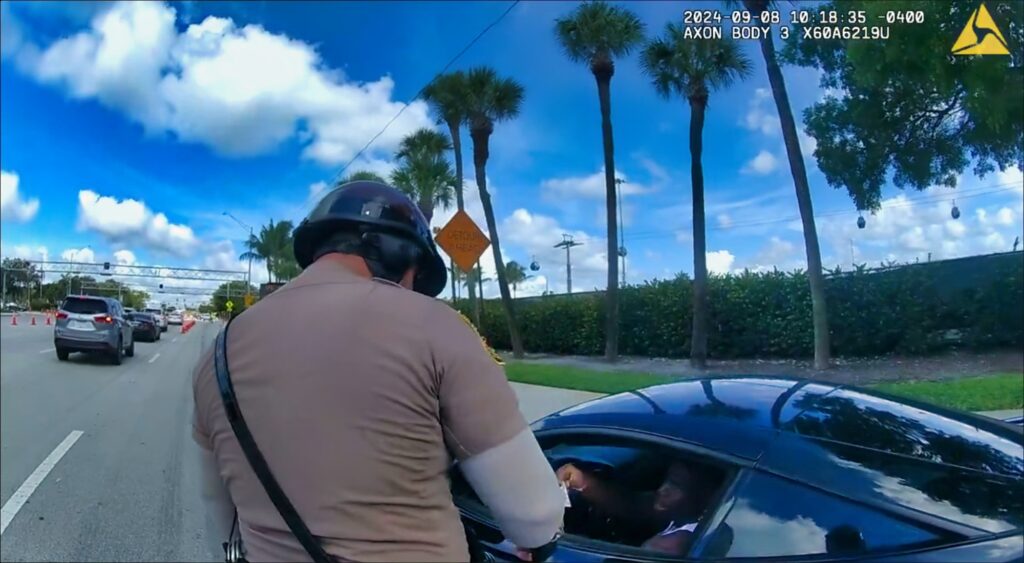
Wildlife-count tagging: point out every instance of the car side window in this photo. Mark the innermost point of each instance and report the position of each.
(773, 517)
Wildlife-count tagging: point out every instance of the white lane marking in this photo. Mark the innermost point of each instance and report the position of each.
(47, 351)
(20, 496)
(173, 340)
(155, 356)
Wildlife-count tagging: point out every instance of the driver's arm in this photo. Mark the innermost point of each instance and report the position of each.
(486, 433)
(607, 496)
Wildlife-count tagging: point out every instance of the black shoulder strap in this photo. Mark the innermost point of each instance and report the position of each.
(255, 457)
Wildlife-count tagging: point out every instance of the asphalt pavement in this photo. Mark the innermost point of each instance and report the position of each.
(126, 487)
(97, 461)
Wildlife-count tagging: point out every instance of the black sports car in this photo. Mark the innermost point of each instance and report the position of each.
(802, 471)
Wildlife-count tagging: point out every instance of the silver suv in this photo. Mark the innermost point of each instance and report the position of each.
(92, 324)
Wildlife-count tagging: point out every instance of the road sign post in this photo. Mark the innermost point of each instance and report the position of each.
(464, 242)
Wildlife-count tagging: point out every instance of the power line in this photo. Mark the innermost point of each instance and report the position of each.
(423, 88)
(965, 194)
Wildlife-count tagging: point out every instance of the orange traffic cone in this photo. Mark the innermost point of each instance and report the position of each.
(33, 323)
(14, 320)
(48, 323)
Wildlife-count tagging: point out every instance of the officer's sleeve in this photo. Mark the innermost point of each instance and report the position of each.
(485, 431)
(201, 378)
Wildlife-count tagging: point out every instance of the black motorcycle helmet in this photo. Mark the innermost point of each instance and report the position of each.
(379, 223)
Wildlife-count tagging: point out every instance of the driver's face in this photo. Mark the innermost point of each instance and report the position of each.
(669, 497)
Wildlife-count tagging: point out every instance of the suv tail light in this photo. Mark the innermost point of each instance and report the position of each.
(106, 319)
(62, 315)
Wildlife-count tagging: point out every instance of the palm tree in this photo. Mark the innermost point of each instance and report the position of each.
(516, 274)
(270, 246)
(595, 33)
(364, 175)
(447, 96)
(692, 69)
(425, 174)
(285, 265)
(815, 275)
(489, 99)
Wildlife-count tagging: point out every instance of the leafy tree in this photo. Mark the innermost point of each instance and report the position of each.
(907, 108)
(364, 175)
(491, 98)
(795, 155)
(19, 276)
(692, 69)
(516, 274)
(424, 173)
(234, 290)
(447, 97)
(595, 34)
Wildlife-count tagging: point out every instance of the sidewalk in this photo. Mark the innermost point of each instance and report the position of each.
(536, 401)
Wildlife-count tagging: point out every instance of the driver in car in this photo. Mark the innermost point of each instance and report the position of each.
(673, 508)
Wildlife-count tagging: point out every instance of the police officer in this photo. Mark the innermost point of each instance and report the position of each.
(360, 390)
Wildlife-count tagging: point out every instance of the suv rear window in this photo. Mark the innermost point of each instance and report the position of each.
(84, 306)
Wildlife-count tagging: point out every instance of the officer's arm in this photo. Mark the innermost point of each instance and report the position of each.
(220, 510)
(485, 431)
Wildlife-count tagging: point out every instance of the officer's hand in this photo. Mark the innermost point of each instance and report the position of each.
(573, 477)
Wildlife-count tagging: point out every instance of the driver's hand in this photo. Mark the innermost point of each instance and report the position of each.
(573, 477)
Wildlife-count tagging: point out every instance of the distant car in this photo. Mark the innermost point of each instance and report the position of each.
(13, 308)
(144, 326)
(87, 323)
(174, 318)
(161, 319)
(799, 471)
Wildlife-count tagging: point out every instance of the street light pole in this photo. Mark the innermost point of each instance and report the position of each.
(248, 276)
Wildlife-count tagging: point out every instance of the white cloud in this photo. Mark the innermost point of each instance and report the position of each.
(778, 253)
(537, 234)
(764, 163)
(130, 220)
(31, 253)
(907, 229)
(12, 206)
(84, 255)
(724, 220)
(124, 257)
(590, 187)
(240, 90)
(720, 261)
(761, 115)
(1005, 217)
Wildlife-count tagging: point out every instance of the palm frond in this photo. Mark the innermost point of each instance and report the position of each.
(599, 29)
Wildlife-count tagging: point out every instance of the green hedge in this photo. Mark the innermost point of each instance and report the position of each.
(974, 303)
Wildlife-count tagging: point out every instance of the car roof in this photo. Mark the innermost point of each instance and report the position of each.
(744, 416)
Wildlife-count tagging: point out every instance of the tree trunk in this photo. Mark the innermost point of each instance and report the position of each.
(270, 277)
(426, 206)
(477, 297)
(815, 276)
(699, 337)
(480, 137)
(611, 326)
(454, 131)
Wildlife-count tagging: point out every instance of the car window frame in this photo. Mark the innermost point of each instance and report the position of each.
(733, 466)
(744, 476)
(63, 304)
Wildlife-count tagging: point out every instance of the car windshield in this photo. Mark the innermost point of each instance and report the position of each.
(85, 306)
(140, 317)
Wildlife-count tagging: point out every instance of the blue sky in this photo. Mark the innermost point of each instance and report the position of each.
(130, 128)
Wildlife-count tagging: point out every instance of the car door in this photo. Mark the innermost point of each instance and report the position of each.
(122, 322)
(595, 449)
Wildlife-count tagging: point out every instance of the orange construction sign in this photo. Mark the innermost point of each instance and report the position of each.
(462, 240)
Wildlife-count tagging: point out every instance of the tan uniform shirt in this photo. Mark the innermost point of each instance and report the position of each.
(358, 393)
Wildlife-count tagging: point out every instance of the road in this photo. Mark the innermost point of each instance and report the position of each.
(127, 488)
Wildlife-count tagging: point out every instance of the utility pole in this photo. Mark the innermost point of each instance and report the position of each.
(248, 276)
(567, 243)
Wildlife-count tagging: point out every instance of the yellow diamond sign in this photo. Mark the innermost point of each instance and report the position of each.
(462, 240)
